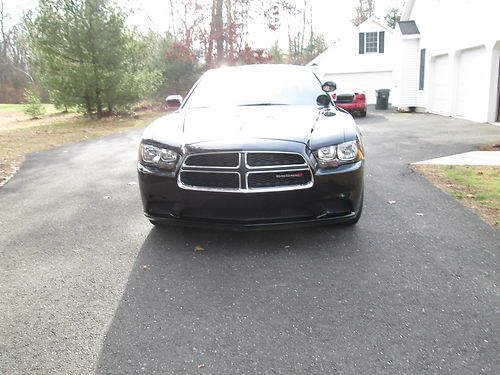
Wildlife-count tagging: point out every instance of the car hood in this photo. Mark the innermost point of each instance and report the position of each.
(236, 125)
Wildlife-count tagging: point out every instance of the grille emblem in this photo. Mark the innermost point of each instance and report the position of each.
(289, 175)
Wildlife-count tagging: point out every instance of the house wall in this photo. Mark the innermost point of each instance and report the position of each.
(369, 81)
(355, 72)
(406, 71)
(465, 34)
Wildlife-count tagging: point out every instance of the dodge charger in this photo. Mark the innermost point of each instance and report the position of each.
(251, 147)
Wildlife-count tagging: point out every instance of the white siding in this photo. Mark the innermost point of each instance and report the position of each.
(452, 25)
(366, 82)
(408, 85)
(344, 56)
(470, 36)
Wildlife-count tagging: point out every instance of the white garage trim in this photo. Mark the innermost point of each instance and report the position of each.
(440, 85)
(471, 96)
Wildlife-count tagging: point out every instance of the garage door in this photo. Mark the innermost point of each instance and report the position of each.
(361, 82)
(440, 85)
(471, 91)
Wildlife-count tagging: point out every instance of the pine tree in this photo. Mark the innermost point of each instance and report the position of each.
(85, 55)
(33, 106)
(392, 17)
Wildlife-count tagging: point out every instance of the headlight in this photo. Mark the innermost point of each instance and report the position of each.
(327, 153)
(157, 156)
(347, 151)
(333, 156)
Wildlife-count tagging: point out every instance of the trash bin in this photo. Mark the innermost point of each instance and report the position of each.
(382, 98)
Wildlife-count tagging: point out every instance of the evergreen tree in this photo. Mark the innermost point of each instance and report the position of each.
(33, 106)
(85, 55)
(392, 17)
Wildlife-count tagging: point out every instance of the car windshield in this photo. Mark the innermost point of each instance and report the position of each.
(255, 86)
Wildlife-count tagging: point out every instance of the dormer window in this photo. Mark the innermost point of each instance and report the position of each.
(371, 42)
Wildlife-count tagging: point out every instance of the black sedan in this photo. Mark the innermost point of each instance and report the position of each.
(250, 147)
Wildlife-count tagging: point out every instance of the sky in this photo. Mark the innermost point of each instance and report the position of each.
(330, 17)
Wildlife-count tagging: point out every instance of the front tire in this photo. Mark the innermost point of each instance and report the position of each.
(362, 113)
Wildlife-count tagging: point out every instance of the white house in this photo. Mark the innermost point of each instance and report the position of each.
(443, 57)
(360, 61)
(448, 58)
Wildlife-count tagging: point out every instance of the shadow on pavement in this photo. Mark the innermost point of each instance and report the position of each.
(241, 304)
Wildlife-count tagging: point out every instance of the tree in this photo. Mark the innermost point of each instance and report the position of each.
(392, 17)
(364, 10)
(276, 54)
(15, 73)
(85, 55)
(32, 104)
(248, 55)
(219, 28)
(178, 65)
(303, 42)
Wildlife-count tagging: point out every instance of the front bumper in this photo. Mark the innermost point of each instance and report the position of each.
(336, 196)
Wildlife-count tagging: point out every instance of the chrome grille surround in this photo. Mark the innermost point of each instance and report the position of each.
(277, 172)
(251, 155)
(218, 178)
(243, 170)
(192, 156)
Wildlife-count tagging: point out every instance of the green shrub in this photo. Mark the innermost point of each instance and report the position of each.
(33, 106)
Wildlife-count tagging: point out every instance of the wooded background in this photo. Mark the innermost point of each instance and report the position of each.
(84, 54)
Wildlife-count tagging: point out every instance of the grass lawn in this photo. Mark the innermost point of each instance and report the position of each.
(16, 143)
(477, 187)
(18, 108)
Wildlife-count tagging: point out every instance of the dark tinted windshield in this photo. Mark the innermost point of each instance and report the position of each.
(258, 85)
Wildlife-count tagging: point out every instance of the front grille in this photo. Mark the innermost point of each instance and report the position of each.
(225, 160)
(268, 159)
(279, 179)
(345, 98)
(251, 172)
(212, 180)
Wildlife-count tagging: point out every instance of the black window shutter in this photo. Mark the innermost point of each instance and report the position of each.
(422, 70)
(361, 43)
(381, 42)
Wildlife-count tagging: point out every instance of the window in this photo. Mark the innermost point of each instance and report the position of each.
(422, 70)
(371, 42)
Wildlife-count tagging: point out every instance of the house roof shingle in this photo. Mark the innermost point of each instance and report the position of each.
(408, 27)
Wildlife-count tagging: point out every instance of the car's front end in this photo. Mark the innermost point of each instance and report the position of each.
(267, 183)
(252, 167)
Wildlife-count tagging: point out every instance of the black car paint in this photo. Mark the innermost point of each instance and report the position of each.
(336, 195)
(343, 184)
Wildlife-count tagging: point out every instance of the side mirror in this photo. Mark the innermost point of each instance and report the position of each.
(329, 86)
(323, 100)
(174, 101)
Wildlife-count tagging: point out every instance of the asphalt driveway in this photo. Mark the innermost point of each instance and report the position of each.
(89, 286)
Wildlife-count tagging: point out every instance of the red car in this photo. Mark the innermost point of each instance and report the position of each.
(353, 103)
